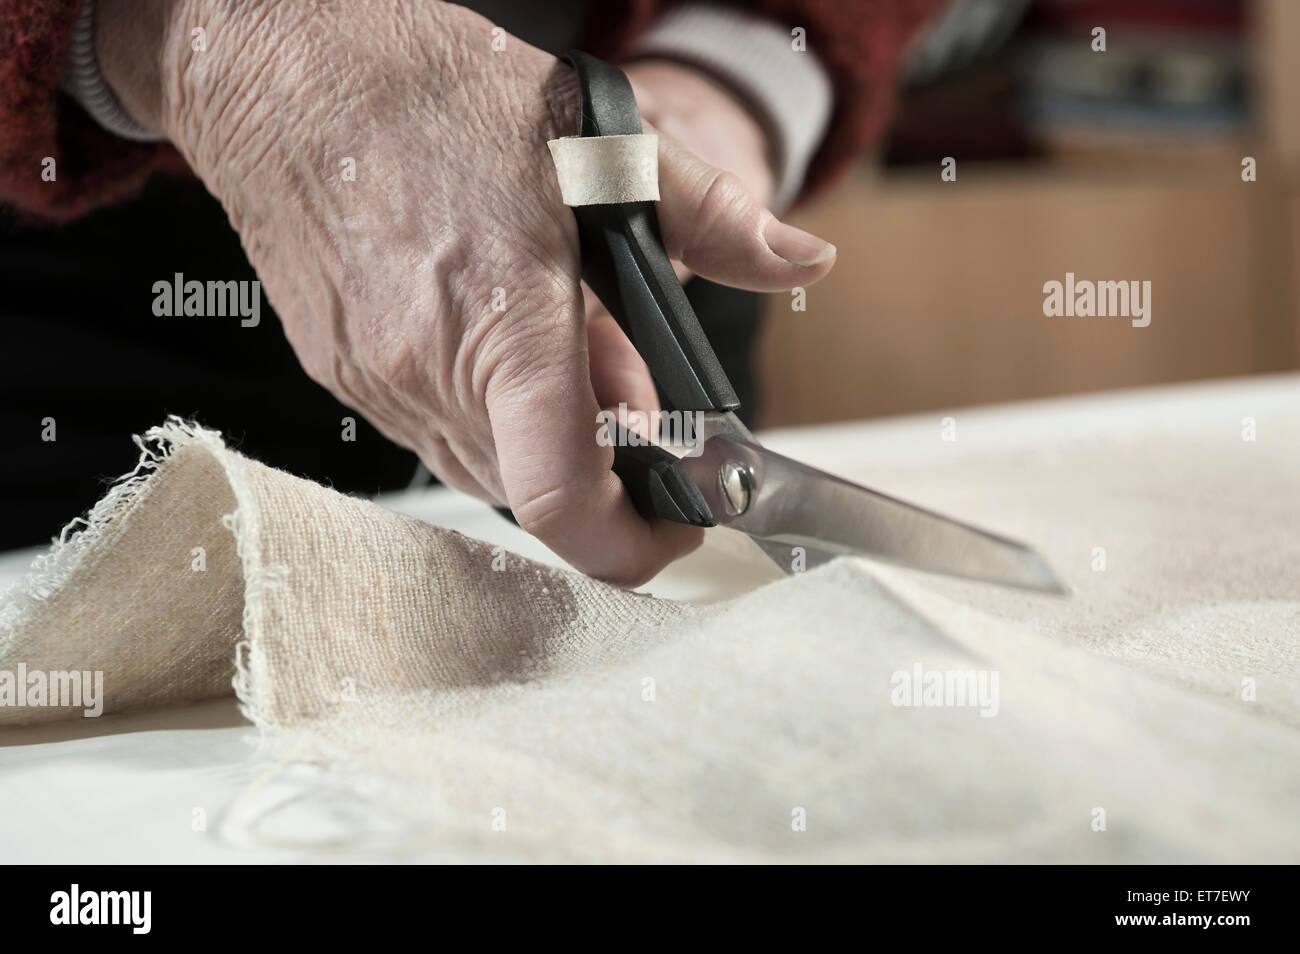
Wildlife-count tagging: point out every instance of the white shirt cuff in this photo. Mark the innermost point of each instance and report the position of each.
(83, 81)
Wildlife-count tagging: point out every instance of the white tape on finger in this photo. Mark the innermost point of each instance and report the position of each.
(600, 170)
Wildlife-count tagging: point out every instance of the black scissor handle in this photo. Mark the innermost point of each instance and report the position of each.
(624, 263)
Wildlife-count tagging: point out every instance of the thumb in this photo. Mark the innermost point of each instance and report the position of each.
(712, 225)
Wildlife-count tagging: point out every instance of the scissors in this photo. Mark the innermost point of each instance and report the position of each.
(800, 516)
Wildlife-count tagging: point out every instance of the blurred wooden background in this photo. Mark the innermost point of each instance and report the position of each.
(936, 300)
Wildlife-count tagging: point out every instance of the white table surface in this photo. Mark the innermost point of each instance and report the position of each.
(126, 788)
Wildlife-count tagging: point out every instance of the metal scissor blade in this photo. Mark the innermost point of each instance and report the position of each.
(782, 503)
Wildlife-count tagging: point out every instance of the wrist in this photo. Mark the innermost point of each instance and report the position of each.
(707, 117)
(781, 83)
(233, 86)
(191, 71)
(670, 89)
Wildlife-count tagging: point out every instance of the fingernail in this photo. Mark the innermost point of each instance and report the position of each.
(797, 246)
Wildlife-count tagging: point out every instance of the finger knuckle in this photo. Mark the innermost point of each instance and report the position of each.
(722, 197)
(544, 513)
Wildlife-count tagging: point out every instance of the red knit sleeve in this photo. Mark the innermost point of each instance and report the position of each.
(91, 166)
(860, 42)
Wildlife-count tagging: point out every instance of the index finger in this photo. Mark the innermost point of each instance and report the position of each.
(556, 475)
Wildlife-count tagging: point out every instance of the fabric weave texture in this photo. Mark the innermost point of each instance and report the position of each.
(492, 708)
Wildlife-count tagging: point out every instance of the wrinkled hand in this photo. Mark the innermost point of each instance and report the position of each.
(437, 292)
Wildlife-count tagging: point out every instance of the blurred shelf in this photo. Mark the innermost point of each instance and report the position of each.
(937, 299)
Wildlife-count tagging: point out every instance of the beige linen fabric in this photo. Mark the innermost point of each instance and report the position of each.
(488, 708)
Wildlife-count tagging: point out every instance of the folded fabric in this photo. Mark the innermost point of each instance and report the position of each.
(490, 708)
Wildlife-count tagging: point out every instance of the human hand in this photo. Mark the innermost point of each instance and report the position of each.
(437, 292)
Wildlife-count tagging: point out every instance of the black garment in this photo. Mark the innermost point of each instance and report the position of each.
(82, 346)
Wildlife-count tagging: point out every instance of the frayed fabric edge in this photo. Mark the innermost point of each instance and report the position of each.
(50, 572)
(276, 747)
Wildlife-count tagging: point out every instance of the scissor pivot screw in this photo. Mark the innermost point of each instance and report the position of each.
(736, 484)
